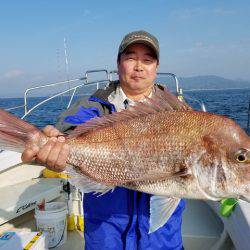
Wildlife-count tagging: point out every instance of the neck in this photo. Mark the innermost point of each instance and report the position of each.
(137, 95)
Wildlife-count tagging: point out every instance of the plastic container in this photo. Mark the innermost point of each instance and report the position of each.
(52, 222)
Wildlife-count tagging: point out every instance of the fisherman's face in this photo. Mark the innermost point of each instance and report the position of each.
(137, 69)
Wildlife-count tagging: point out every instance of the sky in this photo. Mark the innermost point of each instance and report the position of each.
(196, 37)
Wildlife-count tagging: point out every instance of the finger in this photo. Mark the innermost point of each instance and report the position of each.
(47, 129)
(29, 154)
(54, 154)
(51, 131)
(44, 152)
(62, 158)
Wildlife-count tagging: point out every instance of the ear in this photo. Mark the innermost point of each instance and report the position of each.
(118, 66)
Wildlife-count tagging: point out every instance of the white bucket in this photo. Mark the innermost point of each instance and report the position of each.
(52, 221)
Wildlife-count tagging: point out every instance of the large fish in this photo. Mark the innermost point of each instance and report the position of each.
(159, 147)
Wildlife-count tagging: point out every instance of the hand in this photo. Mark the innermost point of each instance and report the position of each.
(53, 154)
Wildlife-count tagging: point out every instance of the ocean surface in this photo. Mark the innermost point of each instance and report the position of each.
(232, 103)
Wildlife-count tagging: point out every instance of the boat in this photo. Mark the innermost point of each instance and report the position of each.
(22, 186)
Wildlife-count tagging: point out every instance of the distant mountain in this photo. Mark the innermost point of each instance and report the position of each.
(209, 82)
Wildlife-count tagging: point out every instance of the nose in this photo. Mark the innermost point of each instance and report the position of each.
(138, 65)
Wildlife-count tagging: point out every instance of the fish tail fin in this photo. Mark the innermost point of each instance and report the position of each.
(14, 132)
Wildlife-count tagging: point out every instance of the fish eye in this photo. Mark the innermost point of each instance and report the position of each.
(241, 158)
(241, 155)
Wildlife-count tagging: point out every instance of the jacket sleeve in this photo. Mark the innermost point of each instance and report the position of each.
(79, 113)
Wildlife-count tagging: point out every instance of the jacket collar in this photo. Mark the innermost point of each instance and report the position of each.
(101, 95)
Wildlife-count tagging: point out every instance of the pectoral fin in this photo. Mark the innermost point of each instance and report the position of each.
(161, 209)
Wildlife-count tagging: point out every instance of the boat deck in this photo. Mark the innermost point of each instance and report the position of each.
(201, 229)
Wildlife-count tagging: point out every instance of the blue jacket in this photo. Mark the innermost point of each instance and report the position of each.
(119, 220)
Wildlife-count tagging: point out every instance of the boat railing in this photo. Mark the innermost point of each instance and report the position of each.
(179, 91)
(175, 80)
(113, 73)
(85, 81)
(49, 85)
(199, 102)
(16, 107)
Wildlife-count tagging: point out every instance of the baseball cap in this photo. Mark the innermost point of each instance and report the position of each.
(140, 36)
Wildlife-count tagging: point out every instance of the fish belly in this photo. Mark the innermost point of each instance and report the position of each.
(175, 187)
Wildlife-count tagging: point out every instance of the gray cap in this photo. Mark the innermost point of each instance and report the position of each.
(140, 36)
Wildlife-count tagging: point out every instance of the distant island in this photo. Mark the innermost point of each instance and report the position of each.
(208, 82)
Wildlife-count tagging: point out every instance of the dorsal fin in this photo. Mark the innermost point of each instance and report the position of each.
(162, 101)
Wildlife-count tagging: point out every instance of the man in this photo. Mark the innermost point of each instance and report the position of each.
(118, 219)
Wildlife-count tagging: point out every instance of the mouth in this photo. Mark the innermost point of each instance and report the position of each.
(136, 78)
